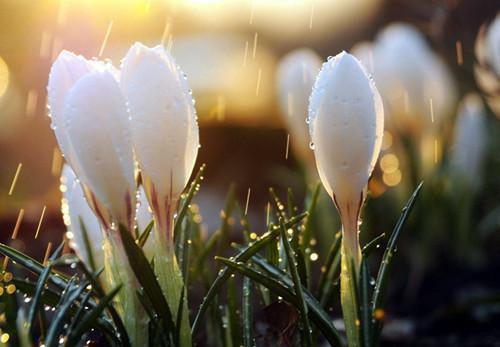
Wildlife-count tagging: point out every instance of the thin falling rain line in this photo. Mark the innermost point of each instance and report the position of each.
(14, 180)
(255, 41)
(245, 57)
(5, 262)
(40, 221)
(289, 100)
(311, 16)
(287, 146)
(56, 162)
(106, 37)
(170, 42)
(47, 253)
(268, 212)
(19, 220)
(257, 88)
(248, 201)
(166, 31)
(435, 151)
(460, 54)
(252, 10)
(431, 105)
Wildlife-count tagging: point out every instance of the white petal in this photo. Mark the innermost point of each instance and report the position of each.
(163, 123)
(493, 44)
(75, 209)
(346, 124)
(296, 75)
(96, 121)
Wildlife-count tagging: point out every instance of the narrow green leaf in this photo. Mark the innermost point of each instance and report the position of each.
(86, 242)
(233, 315)
(143, 238)
(193, 188)
(244, 255)
(248, 340)
(297, 285)
(86, 322)
(147, 278)
(57, 324)
(330, 269)
(365, 304)
(284, 287)
(383, 272)
(370, 246)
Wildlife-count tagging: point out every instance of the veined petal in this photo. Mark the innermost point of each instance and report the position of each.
(96, 121)
(163, 124)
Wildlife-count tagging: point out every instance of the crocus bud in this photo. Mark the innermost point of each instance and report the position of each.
(296, 75)
(96, 125)
(164, 127)
(67, 69)
(409, 75)
(346, 122)
(469, 142)
(487, 69)
(78, 216)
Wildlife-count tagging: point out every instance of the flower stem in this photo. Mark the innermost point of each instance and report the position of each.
(127, 303)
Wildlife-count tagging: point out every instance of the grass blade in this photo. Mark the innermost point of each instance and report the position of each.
(370, 246)
(365, 304)
(297, 285)
(141, 241)
(284, 287)
(248, 340)
(244, 255)
(383, 273)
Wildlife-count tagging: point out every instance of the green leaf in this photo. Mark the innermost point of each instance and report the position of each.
(143, 238)
(147, 278)
(329, 270)
(365, 304)
(244, 255)
(349, 298)
(233, 315)
(248, 340)
(370, 246)
(86, 242)
(193, 188)
(86, 322)
(40, 286)
(383, 272)
(283, 286)
(58, 322)
(297, 285)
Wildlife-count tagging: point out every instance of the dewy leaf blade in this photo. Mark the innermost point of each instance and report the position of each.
(383, 273)
(226, 272)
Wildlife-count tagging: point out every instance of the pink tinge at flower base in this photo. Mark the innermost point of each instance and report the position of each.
(164, 128)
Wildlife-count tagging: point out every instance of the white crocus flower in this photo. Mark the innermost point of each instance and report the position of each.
(78, 215)
(166, 140)
(164, 128)
(297, 72)
(144, 216)
(346, 122)
(409, 75)
(487, 69)
(469, 145)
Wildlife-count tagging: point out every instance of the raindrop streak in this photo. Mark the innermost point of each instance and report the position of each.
(255, 40)
(105, 41)
(311, 17)
(31, 102)
(287, 146)
(47, 253)
(18, 224)
(432, 109)
(268, 210)
(257, 88)
(248, 200)
(246, 54)
(460, 55)
(166, 31)
(14, 180)
(56, 162)
(252, 10)
(40, 221)
(45, 41)
(435, 151)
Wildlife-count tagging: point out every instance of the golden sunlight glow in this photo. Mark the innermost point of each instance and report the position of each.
(4, 77)
(392, 179)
